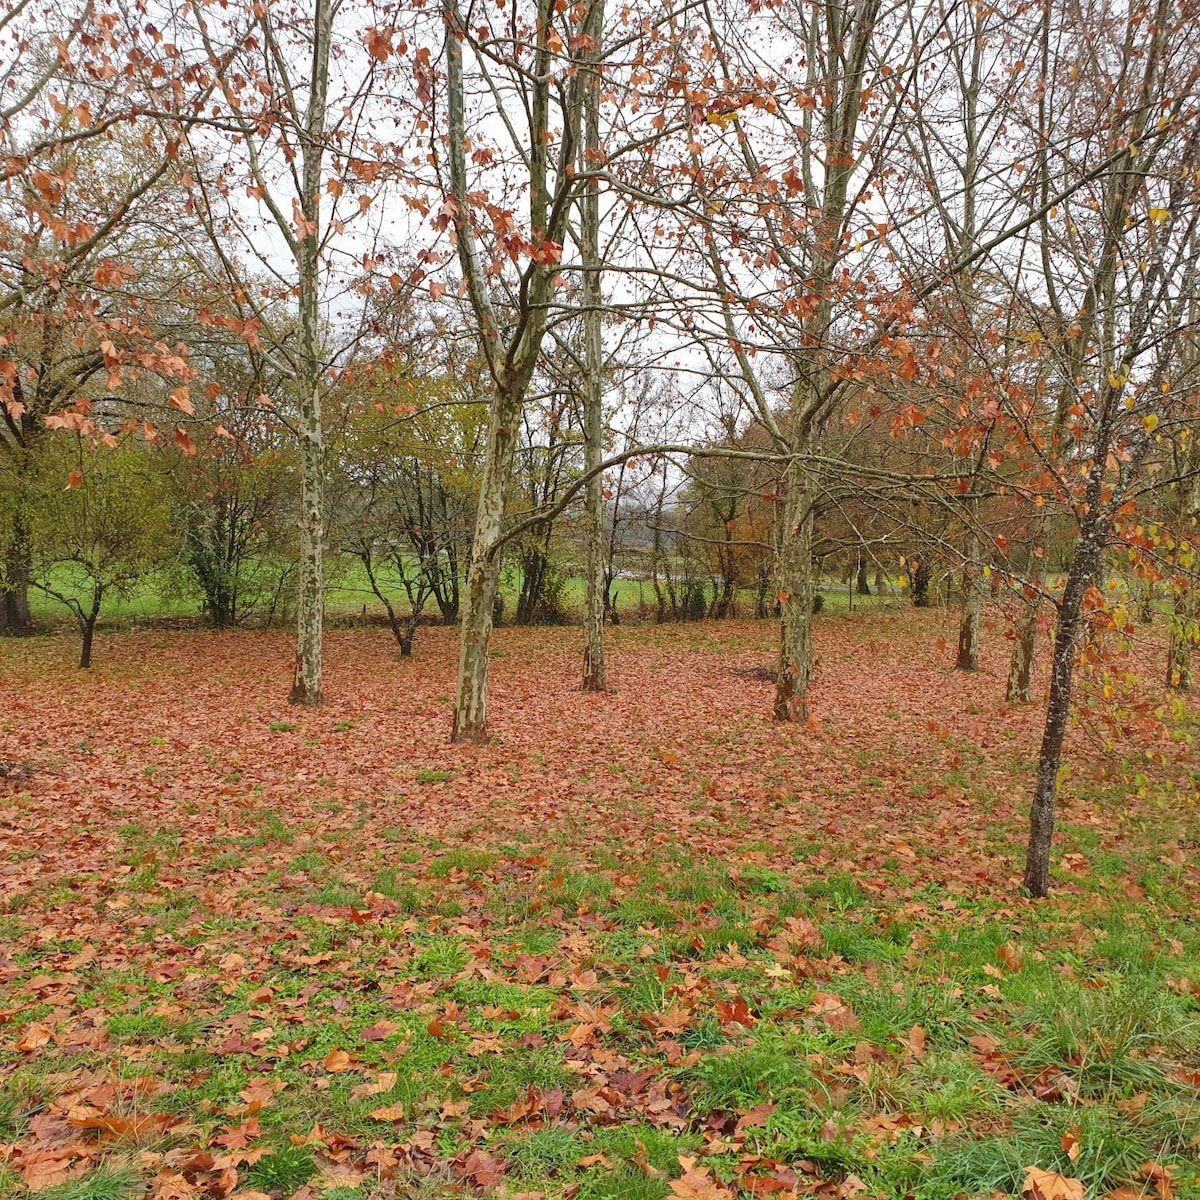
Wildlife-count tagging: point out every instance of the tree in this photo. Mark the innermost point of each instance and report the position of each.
(105, 532)
(596, 597)
(786, 177)
(404, 489)
(1120, 272)
(544, 43)
(86, 275)
(302, 164)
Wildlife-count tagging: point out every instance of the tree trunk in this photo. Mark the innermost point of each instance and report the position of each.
(470, 705)
(534, 565)
(483, 575)
(967, 658)
(1062, 670)
(306, 681)
(1185, 598)
(310, 601)
(596, 583)
(14, 599)
(14, 611)
(88, 624)
(1147, 602)
(864, 587)
(796, 585)
(1020, 668)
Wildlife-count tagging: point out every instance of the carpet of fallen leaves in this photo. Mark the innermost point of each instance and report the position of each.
(247, 949)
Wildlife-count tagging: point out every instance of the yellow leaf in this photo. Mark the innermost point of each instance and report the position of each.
(1150, 422)
(1159, 215)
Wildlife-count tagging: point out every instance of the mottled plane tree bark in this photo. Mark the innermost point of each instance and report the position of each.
(535, 78)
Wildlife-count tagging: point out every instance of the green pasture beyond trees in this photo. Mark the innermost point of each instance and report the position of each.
(170, 594)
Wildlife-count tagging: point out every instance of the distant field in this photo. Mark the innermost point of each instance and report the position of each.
(347, 591)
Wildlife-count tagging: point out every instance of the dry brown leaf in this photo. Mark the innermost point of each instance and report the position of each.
(697, 1184)
(393, 1112)
(379, 1086)
(1049, 1185)
(337, 1061)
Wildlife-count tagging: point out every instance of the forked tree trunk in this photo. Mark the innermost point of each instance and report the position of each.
(511, 362)
(796, 586)
(1066, 644)
(88, 627)
(483, 575)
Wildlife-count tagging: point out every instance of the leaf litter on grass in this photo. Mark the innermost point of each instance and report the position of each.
(640, 943)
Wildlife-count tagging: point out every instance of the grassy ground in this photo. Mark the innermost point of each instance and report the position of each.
(643, 945)
(166, 597)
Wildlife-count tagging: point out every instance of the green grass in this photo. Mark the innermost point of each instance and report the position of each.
(170, 595)
(588, 996)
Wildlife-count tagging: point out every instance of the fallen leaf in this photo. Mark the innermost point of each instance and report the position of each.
(337, 1061)
(393, 1112)
(1049, 1185)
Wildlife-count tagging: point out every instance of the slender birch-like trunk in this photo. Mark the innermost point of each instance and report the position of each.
(310, 602)
(596, 581)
